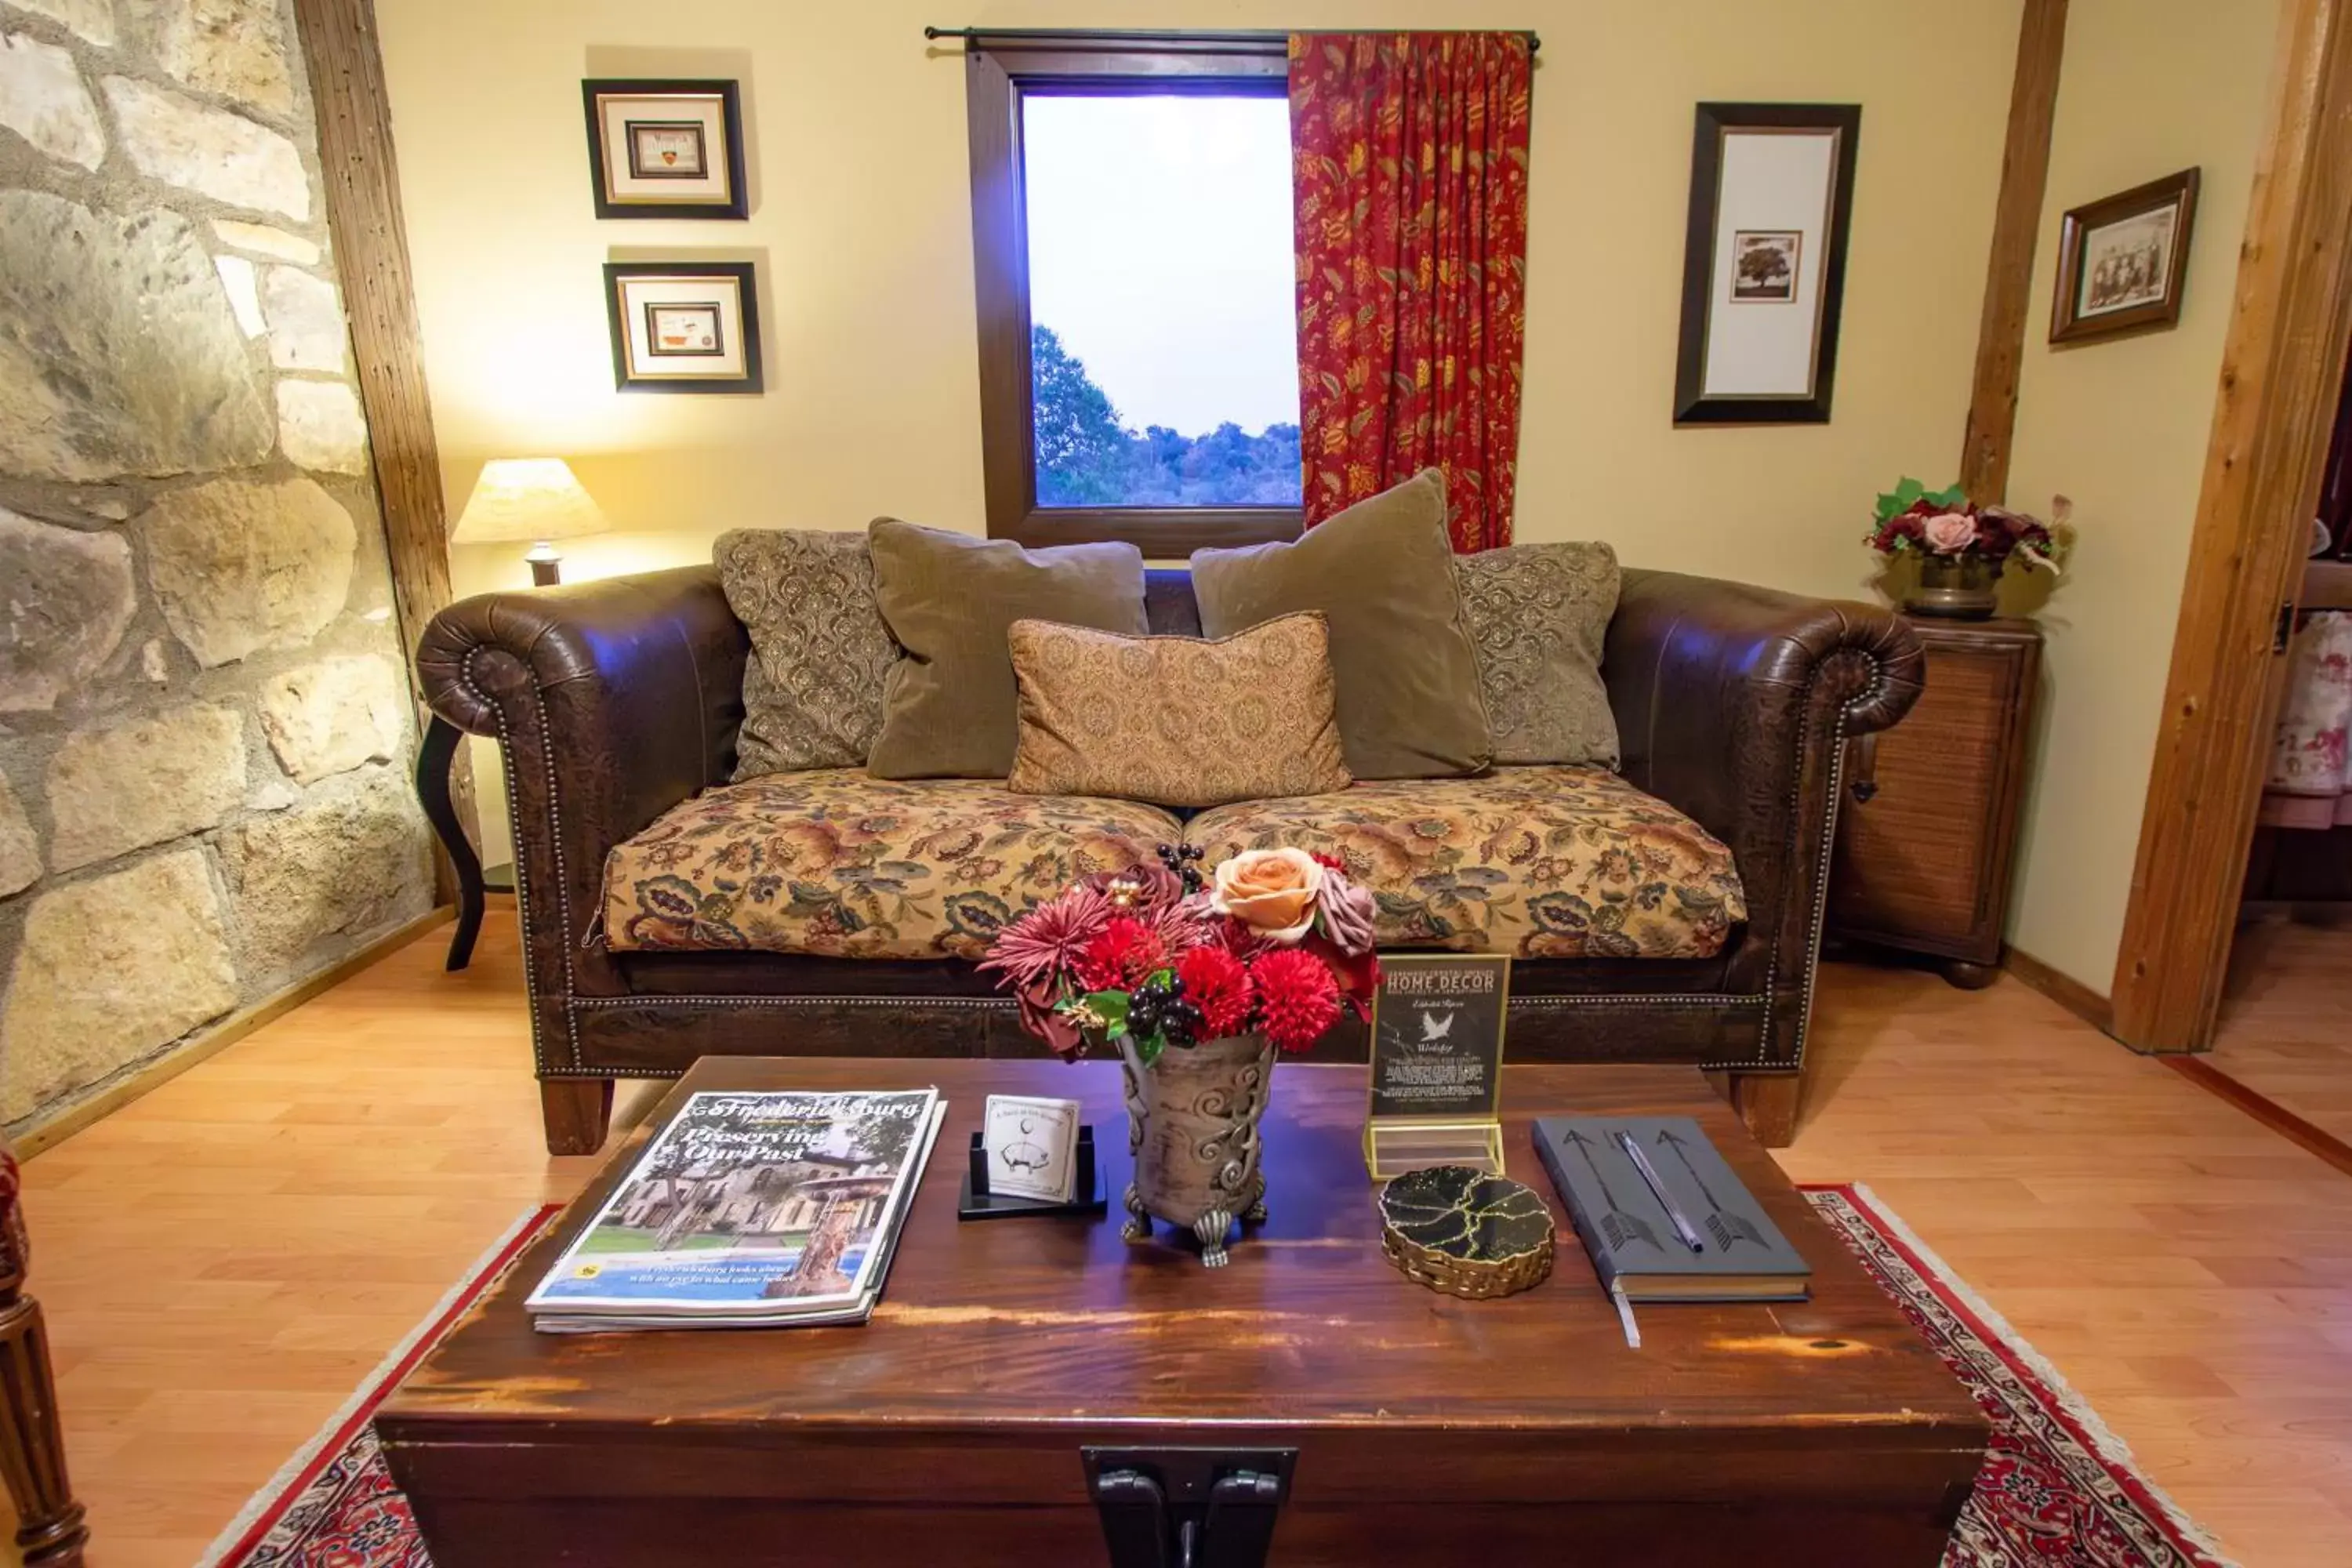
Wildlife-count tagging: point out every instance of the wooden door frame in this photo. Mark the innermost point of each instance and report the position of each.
(2282, 365)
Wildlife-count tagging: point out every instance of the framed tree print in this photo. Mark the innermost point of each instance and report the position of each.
(1764, 262)
(2123, 261)
(682, 326)
(665, 149)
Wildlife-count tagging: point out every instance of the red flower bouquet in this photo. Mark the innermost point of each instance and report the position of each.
(1280, 943)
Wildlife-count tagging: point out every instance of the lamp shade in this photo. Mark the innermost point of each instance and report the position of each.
(527, 498)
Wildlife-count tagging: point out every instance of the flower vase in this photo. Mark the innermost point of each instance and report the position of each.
(1193, 1126)
(1954, 587)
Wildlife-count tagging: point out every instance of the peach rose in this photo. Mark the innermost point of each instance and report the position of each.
(1272, 892)
(1949, 532)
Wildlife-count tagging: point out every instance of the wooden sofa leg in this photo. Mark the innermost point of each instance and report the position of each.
(1767, 1102)
(577, 1110)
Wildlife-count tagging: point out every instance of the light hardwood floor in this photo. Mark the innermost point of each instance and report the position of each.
(224, 1260)
(2287, 1017)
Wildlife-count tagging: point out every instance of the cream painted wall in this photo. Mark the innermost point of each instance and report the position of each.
(861, 228)
(2149, 86)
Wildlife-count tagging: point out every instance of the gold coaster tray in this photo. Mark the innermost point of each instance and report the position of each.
(1467, 1233)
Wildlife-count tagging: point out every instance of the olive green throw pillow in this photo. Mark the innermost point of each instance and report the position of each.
(952, 707)
(1381, 573)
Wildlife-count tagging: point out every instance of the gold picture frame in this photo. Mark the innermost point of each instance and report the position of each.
(1456, 1080)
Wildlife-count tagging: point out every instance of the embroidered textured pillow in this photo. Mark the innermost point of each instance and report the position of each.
(1537, 615)
(820, 653)
(1176, 720)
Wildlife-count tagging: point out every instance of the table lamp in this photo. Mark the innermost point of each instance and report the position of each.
(528, 498)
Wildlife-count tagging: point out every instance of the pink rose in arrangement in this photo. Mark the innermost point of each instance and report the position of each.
(1949, 532)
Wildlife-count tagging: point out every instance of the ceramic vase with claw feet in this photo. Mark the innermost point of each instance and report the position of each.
(1193, 1126)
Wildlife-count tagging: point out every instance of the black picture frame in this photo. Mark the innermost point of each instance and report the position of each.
(1692, 404)
(600, 157)
(2175, 193)
(744, 277)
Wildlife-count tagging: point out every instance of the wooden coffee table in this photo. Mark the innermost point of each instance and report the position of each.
(1395, 1426)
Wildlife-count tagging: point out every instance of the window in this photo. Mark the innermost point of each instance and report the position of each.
(1131, 230)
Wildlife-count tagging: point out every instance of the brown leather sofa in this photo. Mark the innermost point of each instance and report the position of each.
(614, 702)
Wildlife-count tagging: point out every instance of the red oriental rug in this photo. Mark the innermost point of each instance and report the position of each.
(2059, 1489)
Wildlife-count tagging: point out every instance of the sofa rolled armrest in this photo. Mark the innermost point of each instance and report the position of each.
(611, 702)
(1734, 704)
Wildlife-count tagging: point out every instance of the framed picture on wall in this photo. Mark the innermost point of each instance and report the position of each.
(1764, 262)
(2121, 261)
(665, 149)
(682, 326)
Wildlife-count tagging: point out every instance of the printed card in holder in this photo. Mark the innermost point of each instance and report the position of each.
(1031, 1145)
(1437, 1063)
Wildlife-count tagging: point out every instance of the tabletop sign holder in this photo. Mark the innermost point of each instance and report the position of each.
(1437, 1063)
(1087, 1194)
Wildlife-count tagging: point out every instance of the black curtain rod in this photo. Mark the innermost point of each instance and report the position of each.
(1128, 35)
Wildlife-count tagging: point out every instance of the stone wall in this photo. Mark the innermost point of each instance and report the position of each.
(205, 716)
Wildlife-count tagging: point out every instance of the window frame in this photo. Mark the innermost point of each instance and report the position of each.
(999, 73)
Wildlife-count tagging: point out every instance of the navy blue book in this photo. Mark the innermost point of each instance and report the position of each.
(1665, 1220)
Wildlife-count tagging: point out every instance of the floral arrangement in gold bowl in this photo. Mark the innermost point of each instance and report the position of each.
(1961, 548)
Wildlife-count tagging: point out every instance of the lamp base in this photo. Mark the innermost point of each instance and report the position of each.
(546, 573)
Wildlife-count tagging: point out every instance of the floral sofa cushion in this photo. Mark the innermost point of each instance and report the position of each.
(835, 863)
(1540, 862)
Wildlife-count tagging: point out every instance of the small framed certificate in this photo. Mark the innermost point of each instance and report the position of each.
(1031, 1146)
(1437, 1063)
(666, 149)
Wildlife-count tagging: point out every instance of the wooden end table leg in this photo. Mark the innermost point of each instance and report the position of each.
(432, 760)
(50, 1529)
(1970, 977)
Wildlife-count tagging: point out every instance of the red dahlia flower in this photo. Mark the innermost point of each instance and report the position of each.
(1219, 984)
(1297, 998)
(1124, 955)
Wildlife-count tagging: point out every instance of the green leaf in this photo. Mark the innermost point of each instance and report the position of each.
(1950, 496)
(1148, 1051)
(1909, 489)
(1111, 1006)
(1888, 505)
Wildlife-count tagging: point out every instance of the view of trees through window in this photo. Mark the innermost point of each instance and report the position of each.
(1085, 457)
(1163, 356)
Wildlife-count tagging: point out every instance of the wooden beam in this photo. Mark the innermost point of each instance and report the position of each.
(2281, 366)
(2008, 270)
(371, 246)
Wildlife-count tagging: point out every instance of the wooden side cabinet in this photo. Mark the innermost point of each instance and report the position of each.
(1927, 832)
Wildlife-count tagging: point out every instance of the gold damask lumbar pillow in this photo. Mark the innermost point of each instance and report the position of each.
(1178, 720)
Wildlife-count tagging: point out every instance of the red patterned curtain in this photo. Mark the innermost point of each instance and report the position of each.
(1410, 172)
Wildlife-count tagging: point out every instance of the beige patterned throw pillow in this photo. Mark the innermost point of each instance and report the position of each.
(813, 686)
(1537, 615)
(1176, 720)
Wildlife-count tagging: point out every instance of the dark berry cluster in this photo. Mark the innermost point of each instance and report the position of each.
(1184, 860)
(1158, 1007)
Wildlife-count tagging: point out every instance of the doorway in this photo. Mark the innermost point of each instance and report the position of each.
(2276, 410)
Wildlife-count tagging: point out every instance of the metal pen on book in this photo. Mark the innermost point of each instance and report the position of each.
(1683, 1228)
